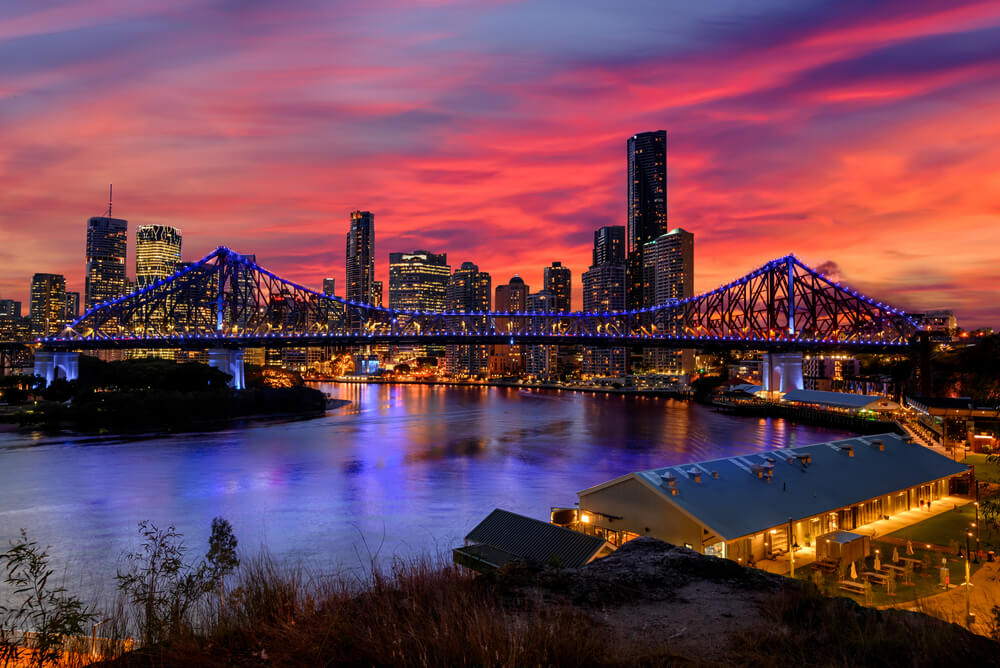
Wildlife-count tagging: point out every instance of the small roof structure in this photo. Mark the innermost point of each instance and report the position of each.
(735, 497)
(858, 402)
(747, 388)
(503, 537)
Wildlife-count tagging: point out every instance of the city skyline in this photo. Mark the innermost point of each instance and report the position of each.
(851, 139)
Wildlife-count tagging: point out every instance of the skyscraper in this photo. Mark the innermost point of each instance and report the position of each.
(506, 360)
(157, 253)
(418, 281)
(48, 304)
(647, 203)
(361, 257)
(604, 291)
(329, 286)
(609, 245)
(669, 267)
(469, 290)
(669, 275)
(377, 291)
(107, 245)
(557, 280)
(10, 308)
(541, 360)
(72, 306)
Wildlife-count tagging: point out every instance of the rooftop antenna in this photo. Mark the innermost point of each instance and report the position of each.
(110, 186)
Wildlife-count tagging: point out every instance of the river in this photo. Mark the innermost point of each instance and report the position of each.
(401, 471)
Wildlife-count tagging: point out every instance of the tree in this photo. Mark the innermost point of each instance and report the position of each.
(49, 612)
(165, 587)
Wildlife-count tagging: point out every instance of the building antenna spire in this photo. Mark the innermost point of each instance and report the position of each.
(110, 186)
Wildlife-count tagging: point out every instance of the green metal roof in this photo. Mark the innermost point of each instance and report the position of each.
(510, 536)
(740, 502)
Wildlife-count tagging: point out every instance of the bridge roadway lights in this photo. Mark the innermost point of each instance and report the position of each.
(53, 364)
(229, 360)
(782, 372)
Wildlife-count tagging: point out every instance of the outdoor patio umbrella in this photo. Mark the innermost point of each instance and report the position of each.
(878, 562)
(854, 571)
(895, 555)
(909, 547)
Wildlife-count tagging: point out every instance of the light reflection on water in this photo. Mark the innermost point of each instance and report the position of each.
(409, 469)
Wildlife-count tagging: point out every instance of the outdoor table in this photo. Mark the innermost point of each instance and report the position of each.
(851, 586)
(879, 578)
(892, 567)
(916, 563)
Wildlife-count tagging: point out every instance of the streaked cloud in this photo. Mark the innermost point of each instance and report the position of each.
(860, 133)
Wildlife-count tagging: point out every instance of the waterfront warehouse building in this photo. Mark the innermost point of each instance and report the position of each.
(751, 507)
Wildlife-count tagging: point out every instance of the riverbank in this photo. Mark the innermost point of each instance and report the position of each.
(162, 411)
(627, 391)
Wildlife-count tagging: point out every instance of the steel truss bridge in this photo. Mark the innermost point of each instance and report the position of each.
(226, 300)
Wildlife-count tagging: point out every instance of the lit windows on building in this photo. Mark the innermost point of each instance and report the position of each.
(157, 253)
(48, 304)
(107, 244)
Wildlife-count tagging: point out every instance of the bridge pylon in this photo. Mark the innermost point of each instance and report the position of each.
(230, 361)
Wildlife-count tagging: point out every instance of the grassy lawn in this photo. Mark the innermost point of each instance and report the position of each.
(985, 471)
(924, 582)
(949, 529)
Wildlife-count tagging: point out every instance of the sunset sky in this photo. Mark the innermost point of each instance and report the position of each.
(860, 135)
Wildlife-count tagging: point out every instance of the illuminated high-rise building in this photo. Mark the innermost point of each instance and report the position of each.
(107, 245)
(361, 257)
(10, 308)
(157, 253)
(377, 291)
(609, 245)
(418, 281)
(329, 286)
(669, 275)
(48, 304)
(469, 291)
(72, 306)
(604, 292)
(506, 360)
(557, 280)
(647, 204)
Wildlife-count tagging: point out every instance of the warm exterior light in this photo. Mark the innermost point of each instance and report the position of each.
(585, 518)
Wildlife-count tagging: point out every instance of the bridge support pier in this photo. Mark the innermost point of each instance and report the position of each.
(229, 360)
(51, 365)
(782, 372)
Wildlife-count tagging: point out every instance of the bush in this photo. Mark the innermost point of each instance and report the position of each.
(47, 612)
(165, 587)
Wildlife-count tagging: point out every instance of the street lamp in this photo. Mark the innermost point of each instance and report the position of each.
(968, 585)
(977, 521)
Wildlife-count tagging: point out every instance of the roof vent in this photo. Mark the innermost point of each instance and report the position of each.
(848, 449)
(715, 474)
(878, 444)
(695, 474)
(805, 459)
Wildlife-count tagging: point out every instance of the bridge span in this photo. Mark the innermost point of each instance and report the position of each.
(225, 301)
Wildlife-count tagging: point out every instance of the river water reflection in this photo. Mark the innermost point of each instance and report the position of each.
(410, 469)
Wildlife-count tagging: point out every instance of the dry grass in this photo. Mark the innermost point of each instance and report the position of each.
(417, 614)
